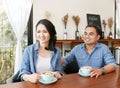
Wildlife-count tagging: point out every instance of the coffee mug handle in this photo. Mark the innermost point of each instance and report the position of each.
(80, 70)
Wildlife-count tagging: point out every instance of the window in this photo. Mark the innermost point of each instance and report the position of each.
(7, 46)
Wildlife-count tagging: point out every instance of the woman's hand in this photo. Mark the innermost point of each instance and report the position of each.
(57, 75)
(95, 73)
(33, 78)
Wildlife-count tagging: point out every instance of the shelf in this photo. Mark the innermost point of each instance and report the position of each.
(109, 42)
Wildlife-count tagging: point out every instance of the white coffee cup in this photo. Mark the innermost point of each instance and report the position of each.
(47, 76)
(85, 70)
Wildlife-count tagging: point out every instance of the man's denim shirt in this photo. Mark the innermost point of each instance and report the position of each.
(99, 57)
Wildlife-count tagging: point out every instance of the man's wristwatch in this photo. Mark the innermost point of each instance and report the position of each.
(103, 70)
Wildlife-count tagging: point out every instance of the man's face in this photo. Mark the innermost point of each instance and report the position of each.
(90, 36)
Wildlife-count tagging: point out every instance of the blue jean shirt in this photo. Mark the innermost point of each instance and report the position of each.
(30, 56)
(99, 57)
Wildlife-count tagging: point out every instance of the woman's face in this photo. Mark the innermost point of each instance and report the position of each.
(42, 34)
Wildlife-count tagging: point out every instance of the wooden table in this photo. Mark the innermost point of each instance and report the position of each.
(111, 80)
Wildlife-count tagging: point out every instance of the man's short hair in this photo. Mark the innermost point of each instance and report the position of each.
(96, 28)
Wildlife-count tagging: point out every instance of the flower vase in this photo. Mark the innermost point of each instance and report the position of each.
(65, 34)
(105, 34)
(77, 34)
(110, 34)
(102, 35)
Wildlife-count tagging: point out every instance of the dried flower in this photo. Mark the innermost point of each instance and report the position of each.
(110, 22)
(65, 20)
(104, 23)
(76, 20)
(47, 15)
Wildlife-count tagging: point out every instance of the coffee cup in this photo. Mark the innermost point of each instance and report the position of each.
(47, 76)
(85, 70)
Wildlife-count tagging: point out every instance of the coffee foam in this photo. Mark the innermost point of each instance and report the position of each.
(86, 67)
(47, 73)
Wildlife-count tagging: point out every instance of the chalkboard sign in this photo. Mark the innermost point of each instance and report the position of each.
(93, 19)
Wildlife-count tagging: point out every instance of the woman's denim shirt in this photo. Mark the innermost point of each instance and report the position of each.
(30, 56)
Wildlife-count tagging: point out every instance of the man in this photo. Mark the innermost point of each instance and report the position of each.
(91, 53)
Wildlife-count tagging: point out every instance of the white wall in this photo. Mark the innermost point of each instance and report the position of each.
(59, 8)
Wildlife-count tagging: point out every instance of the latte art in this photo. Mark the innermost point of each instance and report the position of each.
(47, 73)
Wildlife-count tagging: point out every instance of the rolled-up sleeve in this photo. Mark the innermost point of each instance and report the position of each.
(108, 57)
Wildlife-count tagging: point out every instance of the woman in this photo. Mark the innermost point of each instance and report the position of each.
(43, 55)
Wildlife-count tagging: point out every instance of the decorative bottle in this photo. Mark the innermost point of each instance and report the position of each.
(102, 35)
(77, 34)
(65, 34)
(110, 34)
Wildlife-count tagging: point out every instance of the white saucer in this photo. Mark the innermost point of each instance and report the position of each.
(43, 82)
(86, 75)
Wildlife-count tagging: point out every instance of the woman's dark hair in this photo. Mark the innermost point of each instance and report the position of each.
(96, 28)
(51, 29)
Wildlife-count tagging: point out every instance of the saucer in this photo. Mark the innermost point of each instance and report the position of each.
(86, 75)
(44, 82)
